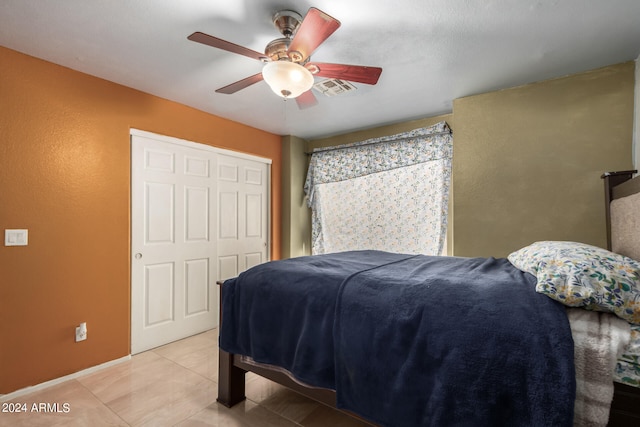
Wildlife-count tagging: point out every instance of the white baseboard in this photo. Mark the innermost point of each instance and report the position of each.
(42, 386)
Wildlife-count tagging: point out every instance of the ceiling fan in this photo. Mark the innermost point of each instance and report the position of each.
(288, 69)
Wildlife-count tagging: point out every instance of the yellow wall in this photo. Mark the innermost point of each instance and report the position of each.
(64, 176)
(296, 217)
(527, 161)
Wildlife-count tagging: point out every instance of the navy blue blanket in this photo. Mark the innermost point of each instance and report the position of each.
(409, 340)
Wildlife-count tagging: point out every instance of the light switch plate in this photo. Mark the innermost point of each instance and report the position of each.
(16, 237)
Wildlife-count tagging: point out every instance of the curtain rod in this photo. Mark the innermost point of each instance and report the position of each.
(344, 147)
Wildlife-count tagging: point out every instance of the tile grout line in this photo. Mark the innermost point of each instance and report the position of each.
(106, 405)
(216, 383)
(193, 372)
(184, 367)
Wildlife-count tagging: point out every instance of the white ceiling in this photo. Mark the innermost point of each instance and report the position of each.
(431, 51)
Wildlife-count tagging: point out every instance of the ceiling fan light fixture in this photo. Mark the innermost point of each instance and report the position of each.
(287, 79)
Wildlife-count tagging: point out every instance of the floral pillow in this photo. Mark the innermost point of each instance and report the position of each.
(580, 275)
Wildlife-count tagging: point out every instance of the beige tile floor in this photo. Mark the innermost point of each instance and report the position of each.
(172, 385)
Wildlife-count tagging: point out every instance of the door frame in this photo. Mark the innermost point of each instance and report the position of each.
(193, 145)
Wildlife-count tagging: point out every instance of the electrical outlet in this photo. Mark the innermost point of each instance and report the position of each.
(81, 332)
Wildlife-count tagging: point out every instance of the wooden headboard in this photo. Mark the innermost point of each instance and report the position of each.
(622, 204)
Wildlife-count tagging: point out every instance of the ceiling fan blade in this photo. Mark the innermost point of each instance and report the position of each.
(225, 45)
(306, 100)
(316, 27)
(352, 73)
(240, 84)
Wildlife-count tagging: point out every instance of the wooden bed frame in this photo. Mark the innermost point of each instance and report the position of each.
(625, 408)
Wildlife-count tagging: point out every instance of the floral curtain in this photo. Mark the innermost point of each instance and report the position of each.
(387, 193)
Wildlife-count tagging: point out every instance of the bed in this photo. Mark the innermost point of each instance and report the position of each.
(395, 339)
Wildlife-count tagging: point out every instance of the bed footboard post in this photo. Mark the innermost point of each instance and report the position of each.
(230, 377)
(230, 380)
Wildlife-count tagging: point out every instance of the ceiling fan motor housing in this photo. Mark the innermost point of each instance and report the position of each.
(277, 49)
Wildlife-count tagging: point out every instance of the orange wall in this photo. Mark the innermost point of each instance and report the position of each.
(64, 175)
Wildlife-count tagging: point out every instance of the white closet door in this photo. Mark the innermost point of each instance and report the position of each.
(198, 215)
(173, 247)
(243, 214)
